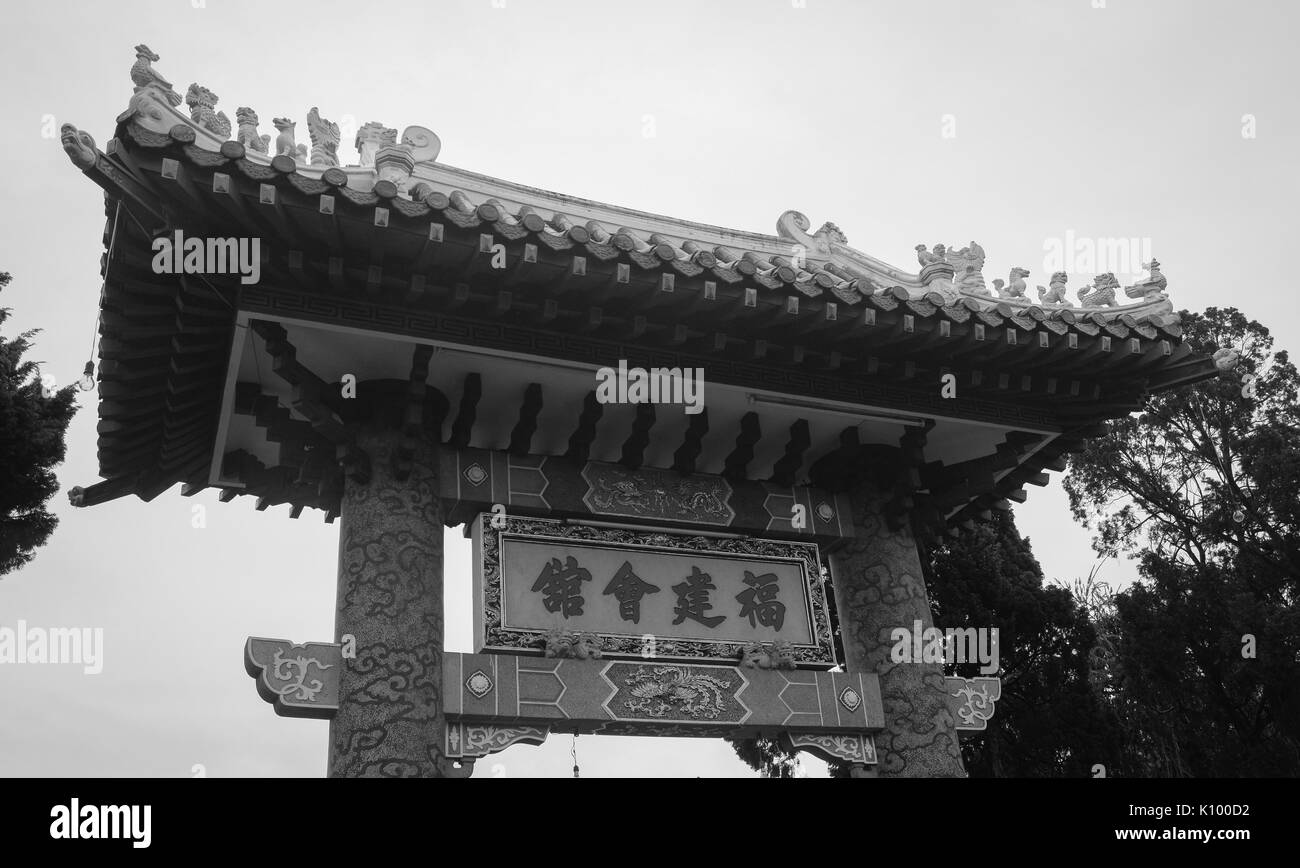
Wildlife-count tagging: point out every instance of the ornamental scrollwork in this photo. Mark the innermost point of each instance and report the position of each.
(833, 747)
(647, 493)
(768, 655)
(297, 687)
(469, 740)
(299, 680)
(973, 700)
(676, 692)
(567, 643)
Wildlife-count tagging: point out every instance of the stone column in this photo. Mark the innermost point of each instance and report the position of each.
(879, 586)
(390, 719)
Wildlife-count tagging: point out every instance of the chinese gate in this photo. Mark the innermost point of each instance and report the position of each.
(422, 347)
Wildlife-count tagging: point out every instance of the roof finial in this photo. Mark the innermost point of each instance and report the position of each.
(1154, 283)
(1101, 293)
(968, 263)
(324, 139)
(202, 103)
(286, 144)
(423, 144)
(247, 134)
(79, 146)
(145, 76)
(371, 137)
(831, 231)
(1056, 293)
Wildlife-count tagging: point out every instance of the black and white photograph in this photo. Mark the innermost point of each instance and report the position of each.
(677, 389)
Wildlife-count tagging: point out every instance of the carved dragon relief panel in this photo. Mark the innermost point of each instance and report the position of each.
(661, 494)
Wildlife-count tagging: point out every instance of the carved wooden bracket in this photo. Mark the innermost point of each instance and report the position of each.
(836, 747)
(469, 741)
(972, 701)
(299, 680)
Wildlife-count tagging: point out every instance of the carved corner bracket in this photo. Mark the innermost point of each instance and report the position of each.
(972, 701)
(299, 680)
(468, 741)
(836, 747)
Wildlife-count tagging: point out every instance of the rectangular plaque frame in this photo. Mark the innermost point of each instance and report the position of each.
(496, 700)
(493, 635)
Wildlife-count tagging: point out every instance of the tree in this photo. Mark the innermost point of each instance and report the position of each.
(32, 429)
(1201, 660)
(1048, 721)
(766, 755)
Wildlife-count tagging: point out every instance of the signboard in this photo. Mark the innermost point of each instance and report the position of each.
(496, 700)
(649, 594)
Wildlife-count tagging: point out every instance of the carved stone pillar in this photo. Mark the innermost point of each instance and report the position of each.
(390, 720)
(879, 586)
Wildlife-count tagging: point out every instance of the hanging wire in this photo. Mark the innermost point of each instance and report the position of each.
(257, 365)
(573, 752)
(214, 291)
(88, 374)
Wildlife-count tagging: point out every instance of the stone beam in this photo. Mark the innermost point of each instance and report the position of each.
(474, 480)
(638, 697)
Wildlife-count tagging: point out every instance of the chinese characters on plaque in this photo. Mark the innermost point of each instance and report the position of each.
(628, 588)
(560, 585)
(700, 597)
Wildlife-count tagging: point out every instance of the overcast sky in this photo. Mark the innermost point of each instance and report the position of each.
(1010, 123)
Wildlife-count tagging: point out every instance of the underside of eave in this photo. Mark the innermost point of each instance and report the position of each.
(152, 456)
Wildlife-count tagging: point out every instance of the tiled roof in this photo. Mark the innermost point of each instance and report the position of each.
(402, 216)
(404, 177)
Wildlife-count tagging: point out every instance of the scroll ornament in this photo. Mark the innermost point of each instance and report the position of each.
(299, 680)
(972, 701)
(202, 103)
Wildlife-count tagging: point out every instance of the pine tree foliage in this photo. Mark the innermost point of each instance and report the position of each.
(33, 423)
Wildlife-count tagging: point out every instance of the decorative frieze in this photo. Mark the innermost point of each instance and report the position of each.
(474, 480)
(636, 696)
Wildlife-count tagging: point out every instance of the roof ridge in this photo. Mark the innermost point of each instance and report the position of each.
(794, 256)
